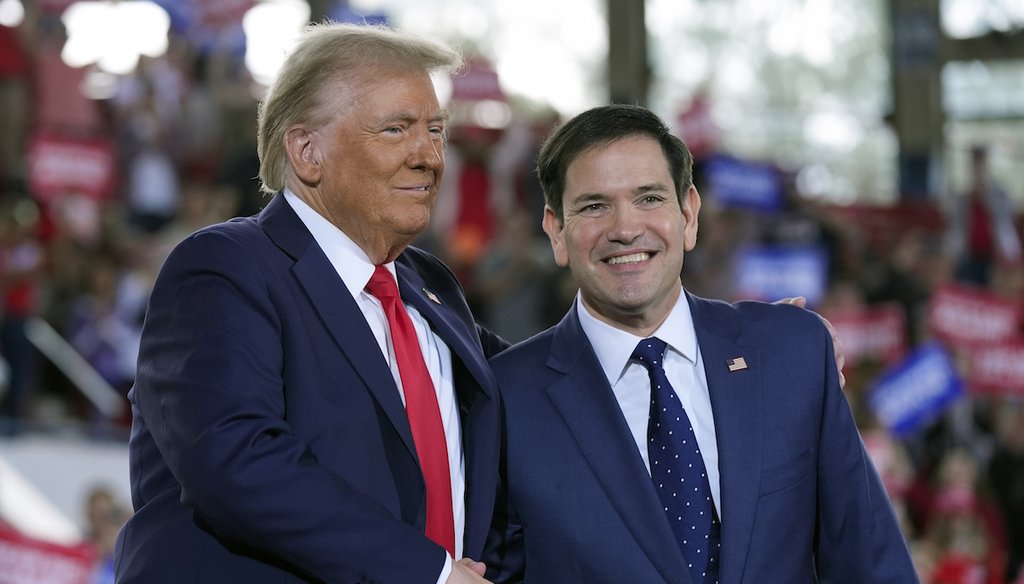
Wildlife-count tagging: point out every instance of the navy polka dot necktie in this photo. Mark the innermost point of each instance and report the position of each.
(677, 470)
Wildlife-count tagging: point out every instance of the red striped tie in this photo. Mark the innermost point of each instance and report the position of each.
(421, 407)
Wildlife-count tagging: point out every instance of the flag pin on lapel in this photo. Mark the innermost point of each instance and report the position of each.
(433, 297)
(737, 364)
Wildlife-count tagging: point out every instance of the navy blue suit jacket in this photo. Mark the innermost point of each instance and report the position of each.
(801, 501)
(269, 441)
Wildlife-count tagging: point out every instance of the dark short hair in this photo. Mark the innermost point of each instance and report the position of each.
(599, 127)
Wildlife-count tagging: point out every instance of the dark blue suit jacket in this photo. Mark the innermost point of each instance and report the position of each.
(269, 442)
(801, 501)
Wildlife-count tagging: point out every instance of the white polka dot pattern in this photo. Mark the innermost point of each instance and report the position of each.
(677, 469)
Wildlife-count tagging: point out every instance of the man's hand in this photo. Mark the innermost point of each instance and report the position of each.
(467, 571)
(837, 346)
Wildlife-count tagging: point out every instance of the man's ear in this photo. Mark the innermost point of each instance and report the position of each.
(554, 226)
(301, 146)
(691, 211)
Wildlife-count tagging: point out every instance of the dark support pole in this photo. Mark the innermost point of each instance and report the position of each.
(318, 9)
(628, 70)
(917, 116)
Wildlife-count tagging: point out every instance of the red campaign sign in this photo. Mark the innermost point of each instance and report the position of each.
(55, 6)
(997, 368)
(477, 82)
(965, 316)
(697, 127)
(28, 561)
(59, 166)
(884, 224)
(877, 333)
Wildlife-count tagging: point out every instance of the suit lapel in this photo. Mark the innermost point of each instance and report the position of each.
(344, 321)
(341, 316)
(586, 403)
(460, 339)
(736, 406)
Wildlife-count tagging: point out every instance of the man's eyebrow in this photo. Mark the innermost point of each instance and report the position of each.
(651, 187)
(409, 117)
(586, 198)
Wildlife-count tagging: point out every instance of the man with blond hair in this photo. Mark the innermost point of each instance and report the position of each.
(298, 415)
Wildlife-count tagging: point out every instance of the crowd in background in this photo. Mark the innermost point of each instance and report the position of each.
(183, 130)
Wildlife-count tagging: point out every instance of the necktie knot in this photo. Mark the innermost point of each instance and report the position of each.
(650, 352)
(382, 284)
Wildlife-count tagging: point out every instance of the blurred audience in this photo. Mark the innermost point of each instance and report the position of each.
(1006, 475)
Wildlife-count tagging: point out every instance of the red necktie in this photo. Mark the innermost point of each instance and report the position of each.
(421, 407)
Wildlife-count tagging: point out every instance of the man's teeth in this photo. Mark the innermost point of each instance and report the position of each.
(630, 259)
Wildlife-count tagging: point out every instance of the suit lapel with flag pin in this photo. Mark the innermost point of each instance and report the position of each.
(736, 402)
(433, 297)
(737, 364)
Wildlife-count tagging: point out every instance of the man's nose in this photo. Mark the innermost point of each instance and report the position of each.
(626, 224)
(427, 151)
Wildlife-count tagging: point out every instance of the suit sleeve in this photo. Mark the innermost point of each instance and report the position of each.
(858, 537)
(210, 389)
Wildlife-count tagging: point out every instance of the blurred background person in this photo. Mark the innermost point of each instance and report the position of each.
(105, 514)
(22, 271)
(513, 278)
(982, 232)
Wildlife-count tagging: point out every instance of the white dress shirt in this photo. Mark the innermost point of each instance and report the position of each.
(354, 268)
(631, 383)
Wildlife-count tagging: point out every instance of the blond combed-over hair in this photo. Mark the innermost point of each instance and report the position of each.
(325, 53)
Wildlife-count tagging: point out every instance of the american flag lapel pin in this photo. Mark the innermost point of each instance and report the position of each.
(737, 364)
(433, 297)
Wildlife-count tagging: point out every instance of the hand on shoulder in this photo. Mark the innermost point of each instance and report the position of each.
(836, 345)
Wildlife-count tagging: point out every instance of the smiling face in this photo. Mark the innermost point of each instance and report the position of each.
(624, 234)
(374, 170)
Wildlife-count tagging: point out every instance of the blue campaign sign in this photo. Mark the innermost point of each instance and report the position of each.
(209, 26)
(181, 13)
(342, 12)
(916, 391)
(741, 183)
(773, 272)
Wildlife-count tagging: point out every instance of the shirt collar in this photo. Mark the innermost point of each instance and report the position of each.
(614, 346)
(349, 260)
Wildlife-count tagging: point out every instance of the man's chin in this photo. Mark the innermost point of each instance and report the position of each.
(411, 228)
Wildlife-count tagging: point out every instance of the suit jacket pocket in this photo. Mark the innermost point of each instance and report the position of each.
(788, 474)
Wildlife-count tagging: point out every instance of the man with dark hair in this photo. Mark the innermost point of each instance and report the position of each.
(654, 436)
